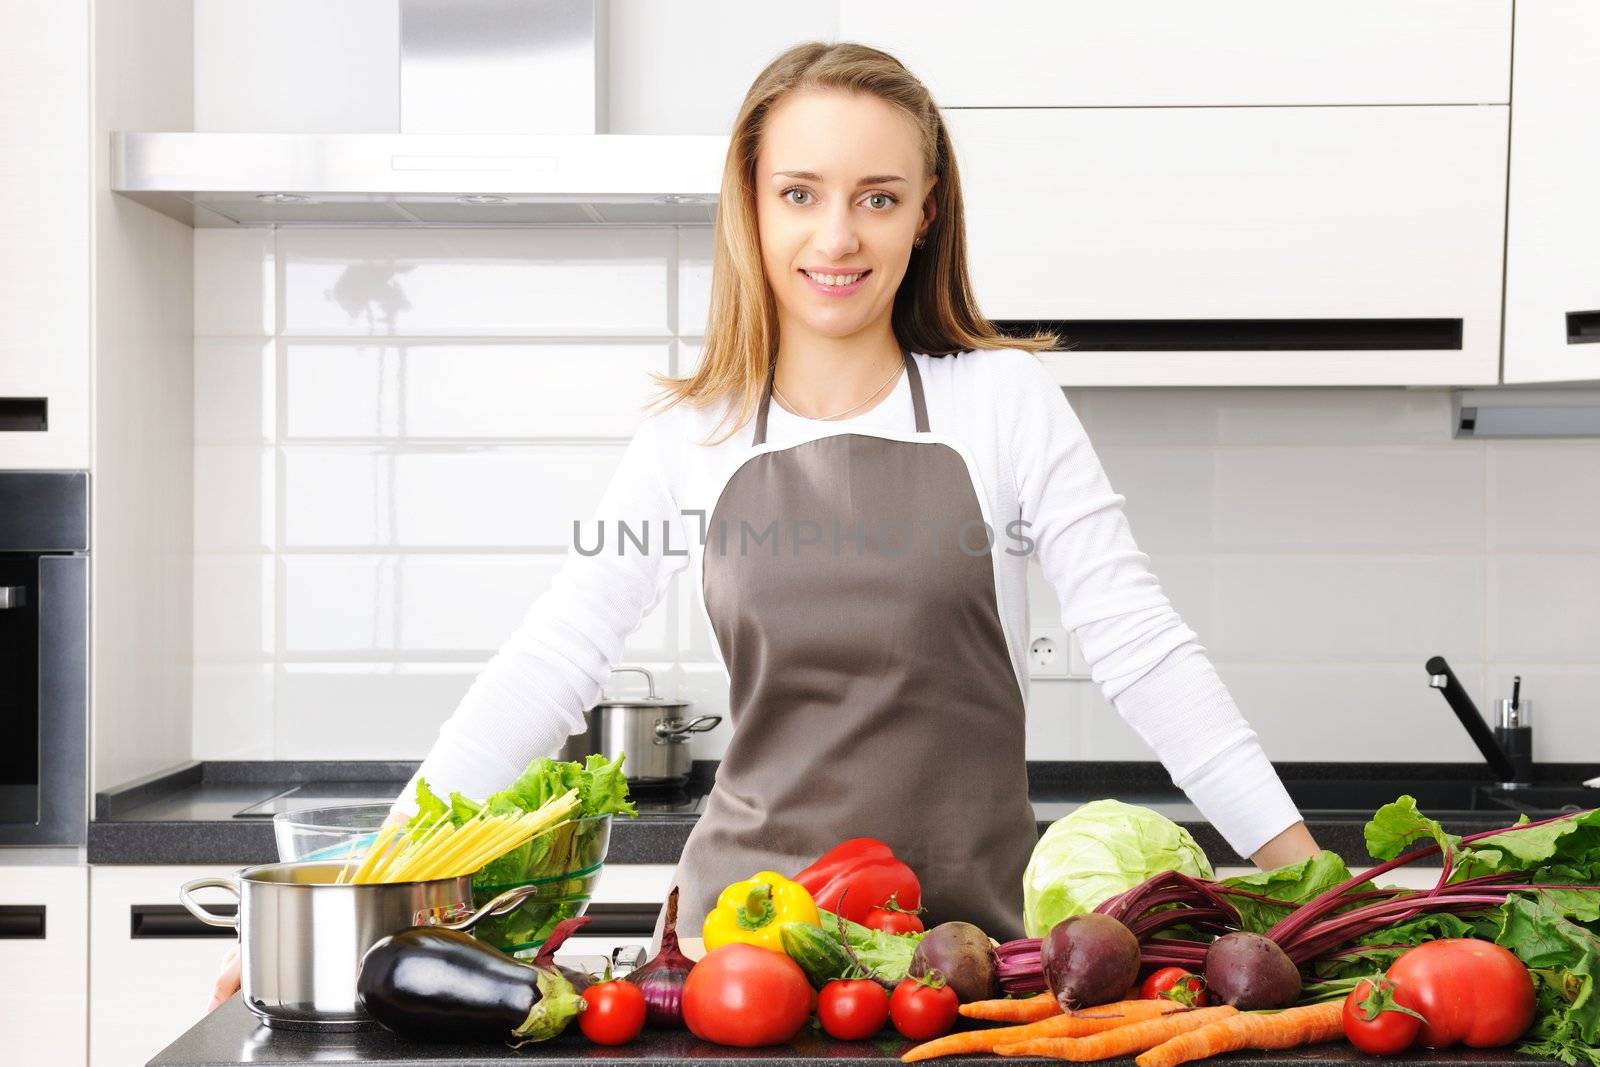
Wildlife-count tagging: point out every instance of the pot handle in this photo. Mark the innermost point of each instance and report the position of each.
(675, 729)
(198, 910)
(498, 906)
(650, 680)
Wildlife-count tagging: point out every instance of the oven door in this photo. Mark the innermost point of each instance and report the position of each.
(44, 666)
(19, 690)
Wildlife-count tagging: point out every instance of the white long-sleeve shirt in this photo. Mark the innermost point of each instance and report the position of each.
(1036, 465)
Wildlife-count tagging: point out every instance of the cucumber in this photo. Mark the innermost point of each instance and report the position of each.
(816, 951)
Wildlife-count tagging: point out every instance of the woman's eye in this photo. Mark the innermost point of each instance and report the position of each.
(887, 200)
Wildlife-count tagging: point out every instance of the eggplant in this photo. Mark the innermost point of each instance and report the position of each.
(430, 982)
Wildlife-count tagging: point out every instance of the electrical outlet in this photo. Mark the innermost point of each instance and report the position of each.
(1054, 653)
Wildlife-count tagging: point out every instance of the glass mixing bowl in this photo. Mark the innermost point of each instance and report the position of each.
(332, 833)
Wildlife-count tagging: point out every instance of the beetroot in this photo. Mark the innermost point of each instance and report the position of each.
(1250, 972)
(1088, 960)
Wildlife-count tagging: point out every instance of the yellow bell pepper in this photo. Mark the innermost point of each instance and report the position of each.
(753, 911)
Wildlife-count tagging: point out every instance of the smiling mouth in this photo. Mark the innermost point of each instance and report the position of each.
(836, 280)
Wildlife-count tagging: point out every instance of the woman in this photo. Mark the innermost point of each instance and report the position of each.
(857, 473)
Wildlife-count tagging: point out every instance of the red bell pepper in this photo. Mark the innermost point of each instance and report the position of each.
(865, 873)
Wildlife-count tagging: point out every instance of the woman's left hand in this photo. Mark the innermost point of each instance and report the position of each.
(1291, 846)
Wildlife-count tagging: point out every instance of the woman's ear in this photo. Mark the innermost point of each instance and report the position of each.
(930, 207)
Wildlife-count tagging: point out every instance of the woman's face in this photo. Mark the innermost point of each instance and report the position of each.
(840, 191)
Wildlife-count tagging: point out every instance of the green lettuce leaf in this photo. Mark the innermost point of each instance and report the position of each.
(1295, 883)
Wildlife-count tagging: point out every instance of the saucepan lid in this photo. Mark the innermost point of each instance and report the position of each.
(651, 700)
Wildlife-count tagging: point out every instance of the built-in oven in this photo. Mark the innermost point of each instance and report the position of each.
(44, 657)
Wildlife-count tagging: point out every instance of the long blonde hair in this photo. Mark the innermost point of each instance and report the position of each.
(934, 309)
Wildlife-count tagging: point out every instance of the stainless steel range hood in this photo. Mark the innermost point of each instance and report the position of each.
(262, 179)
(502, 113)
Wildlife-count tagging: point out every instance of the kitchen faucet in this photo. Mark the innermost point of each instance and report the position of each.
(1509, 746)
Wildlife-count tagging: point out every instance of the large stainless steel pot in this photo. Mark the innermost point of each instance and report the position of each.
(652, 731)
(301, 937)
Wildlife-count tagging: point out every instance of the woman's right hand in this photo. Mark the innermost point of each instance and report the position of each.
(227, 983)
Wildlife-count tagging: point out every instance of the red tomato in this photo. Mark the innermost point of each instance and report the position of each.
(613, 1013)
(1377, 1020)
(1469, 991)
(853, 1009)
(746, 996)
(921, 1011)
(1175, 983)
(892, 921)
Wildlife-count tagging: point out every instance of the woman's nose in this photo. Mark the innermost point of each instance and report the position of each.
(837, 238)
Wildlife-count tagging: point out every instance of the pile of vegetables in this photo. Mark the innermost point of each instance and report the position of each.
(1309, 932)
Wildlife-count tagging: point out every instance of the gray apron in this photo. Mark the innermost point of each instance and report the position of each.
(851, 586)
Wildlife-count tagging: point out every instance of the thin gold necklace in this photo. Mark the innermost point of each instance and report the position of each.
(841, 414)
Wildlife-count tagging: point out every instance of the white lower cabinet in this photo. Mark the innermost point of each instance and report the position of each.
(44, 964)
(150, 975)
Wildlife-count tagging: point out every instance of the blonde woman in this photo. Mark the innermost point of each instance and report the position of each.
(856, 474)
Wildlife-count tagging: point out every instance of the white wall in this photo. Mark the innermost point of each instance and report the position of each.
(395, 429)
(141, 560)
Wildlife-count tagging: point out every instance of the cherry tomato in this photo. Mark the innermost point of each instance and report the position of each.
(853, 1009)
(1469, 991)
(1177, 984)
(747, 996)
(922, 1010)
(613, 1013)
(1378, 1019)
(892, 921)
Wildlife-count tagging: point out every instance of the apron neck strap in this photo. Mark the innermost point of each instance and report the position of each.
(919, 403)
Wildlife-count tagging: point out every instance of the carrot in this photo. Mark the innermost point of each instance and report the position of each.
(1075, 1024)
(1265, 1030)
(1026, 1010)
(1119, 1041)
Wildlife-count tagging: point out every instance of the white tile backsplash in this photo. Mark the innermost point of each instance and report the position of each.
(477, 283)
(395, 430)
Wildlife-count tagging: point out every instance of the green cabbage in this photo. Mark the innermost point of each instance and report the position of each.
(1098, 851)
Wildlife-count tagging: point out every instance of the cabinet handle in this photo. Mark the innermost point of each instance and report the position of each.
(1583, 327)
(21, 922)
(148, 922)
(13, 596)
(28, 413)
(1245, 335)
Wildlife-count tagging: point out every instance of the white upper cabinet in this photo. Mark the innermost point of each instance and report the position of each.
(1553, 231)
(1142, 53)
(1193, 244)
(44, 236)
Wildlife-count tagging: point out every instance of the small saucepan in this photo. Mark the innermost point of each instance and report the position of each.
(652, 731)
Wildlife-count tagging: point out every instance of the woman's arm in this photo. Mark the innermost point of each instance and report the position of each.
(532, 694)
(1146, 661)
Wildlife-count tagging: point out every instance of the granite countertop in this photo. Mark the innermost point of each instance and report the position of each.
(188, 815)
(230, 1035)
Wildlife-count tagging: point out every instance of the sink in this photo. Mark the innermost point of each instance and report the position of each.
(1544, 800)
(1347, 797)
(1363, 797)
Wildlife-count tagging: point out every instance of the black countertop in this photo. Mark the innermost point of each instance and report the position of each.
(230, 1035)
(188, 815)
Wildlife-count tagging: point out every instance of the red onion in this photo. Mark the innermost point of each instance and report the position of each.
(662, 978)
